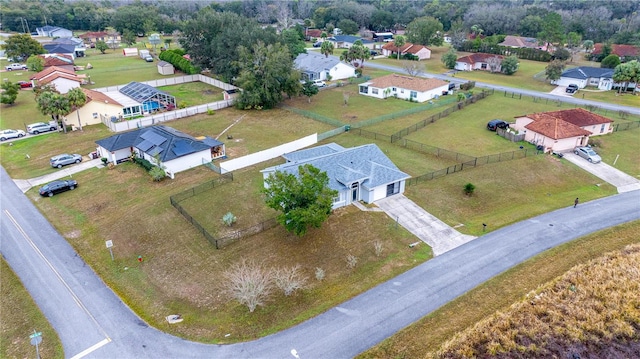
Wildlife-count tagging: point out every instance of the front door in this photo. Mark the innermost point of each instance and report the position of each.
(354, 192)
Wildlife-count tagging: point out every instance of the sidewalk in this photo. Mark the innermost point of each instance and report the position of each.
(437, 234)
(27, 184)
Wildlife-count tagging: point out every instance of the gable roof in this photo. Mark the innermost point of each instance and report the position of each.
(99, 97)
(350, 39)
(50, 70)
(314, 32)
(166, 142)
(478, 57)
(391, 46)
(520, 41)
(586, 72)
(59, 75)
(60, 48)
(414, 49)
(620, 50)
(366, 164)
(56, 60)
(406, 82)
(316, 62)
(564, 123)
(164, 63)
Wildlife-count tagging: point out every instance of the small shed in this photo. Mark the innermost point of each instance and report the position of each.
(130, 51)
(165, 68)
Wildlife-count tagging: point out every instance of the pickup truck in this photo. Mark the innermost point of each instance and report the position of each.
(15, 67)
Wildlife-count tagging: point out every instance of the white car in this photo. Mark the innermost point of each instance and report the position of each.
(39, 127)
(319, 83)
(15, 67)
(7, 134)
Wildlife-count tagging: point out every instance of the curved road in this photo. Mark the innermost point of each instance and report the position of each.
(92, 322)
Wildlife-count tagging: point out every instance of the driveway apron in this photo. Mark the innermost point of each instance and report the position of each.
(68, 171)
(422, 224)
(610, 174)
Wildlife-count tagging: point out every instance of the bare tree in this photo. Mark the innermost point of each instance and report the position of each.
(345, 97)
(249, 283)
(351, 261)
(289, 279)
(494, 63)
(377, 246)
(284, 15)
(413, 68)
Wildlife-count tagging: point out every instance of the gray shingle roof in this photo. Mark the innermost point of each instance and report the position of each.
(366, 164)
(315, 62)
(169, 143)
(350, 39)
(585, 72)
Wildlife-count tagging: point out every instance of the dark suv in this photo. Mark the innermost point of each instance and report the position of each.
(495, 124)
(572, 88)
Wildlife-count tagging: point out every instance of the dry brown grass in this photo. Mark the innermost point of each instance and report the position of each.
(592, 311)
(497, 294)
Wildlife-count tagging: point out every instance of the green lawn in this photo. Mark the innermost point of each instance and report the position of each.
(194, 93)
(113, 68)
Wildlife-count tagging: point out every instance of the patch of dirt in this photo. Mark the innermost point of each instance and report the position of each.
(73, 234)
(235, 152)
(208, 92)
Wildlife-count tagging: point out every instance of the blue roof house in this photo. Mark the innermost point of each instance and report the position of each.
(316, 66)
(584, 76)
(360, 173)
(175, 150)
(346, 41)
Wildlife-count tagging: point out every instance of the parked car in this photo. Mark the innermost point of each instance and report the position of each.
(65, 159)
(39, 127)
(55, 187)
(317, 44)
(319, 83)
(148, 59)
(452, 86)
(587, 153)
(7, 134)
(572, 88)
(25, 84)
(496, 124)
(15, 67)
(373, 53)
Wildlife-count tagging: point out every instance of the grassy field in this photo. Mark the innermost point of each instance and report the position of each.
(425, 337)
(20, 317)
(194, 93)
(623, 148)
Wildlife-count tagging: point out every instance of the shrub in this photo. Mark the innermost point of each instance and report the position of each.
(319, 273)
(143, 163)
(377, 246)
(469, 188)
(289, 279)
(351, 261)
(249, 283)
(157, 173)
(229, 219)
(211, 112)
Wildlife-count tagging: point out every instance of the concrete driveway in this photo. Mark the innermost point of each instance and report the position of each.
(27, 184)
(610, 174)
(437, 234)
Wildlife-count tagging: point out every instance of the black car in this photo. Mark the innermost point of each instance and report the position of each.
(54, 187)
(495, 124)
(572, 88)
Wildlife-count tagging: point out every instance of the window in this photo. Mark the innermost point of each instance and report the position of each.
(414, 94)
(364, 89)
(393, 188)
(95, 115)
(374, 91)
(483, 66)
(602, 128)
(394, 89)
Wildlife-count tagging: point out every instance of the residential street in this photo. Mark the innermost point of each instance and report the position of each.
(92, 322)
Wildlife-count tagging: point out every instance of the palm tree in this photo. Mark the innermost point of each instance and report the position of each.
(77, 99)
(53, 104)
(326, 48)
(398, 42)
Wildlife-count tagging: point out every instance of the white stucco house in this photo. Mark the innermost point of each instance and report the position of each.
(584, 76)
(346, 41)
(477, 61)
(316, 66)
(62, 79)
(360, 173)
(422, 52)
(53, 31)
(416, 89)
(561, 131)
(176, 150)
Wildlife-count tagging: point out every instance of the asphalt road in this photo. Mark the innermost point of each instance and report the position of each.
(92, 322)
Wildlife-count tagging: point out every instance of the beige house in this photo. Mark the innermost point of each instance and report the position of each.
(422, 52)
(561, 131)
(98, 105)
(415, 89)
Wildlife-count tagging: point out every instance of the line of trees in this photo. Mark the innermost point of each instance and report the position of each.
(175, 58)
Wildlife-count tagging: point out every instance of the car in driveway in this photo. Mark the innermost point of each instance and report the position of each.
(587, 153)
(65, 159)
(319, 83)
(15, 67)
(39, 127)
(25, 84)
(7, 134)
(572, 88)
(496, 124)
(58, 186)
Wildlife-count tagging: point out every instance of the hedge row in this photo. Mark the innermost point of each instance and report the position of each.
(174, 57)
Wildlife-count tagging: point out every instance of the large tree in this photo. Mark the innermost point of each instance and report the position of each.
(356, 55)
(398, 42)
(509, 65)
(138, 17)
(53, 104)
(425, 31)
(449, 59)
(266, 72)
(326, 48)
(552, 29)
(304, 200)
(21, 46)
(9, 92)
(553, 71)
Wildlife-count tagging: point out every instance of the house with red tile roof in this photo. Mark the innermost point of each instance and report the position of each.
(562, 131)
(416, 89)
(98, 106)
(59, 60)
(422, 52)
(313, 33)
(478, 61)
(522, 42)
(625, 52)
(62, 79)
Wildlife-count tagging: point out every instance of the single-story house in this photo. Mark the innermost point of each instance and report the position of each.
(360, 173)
(477, 61)
(346, 41)
(522, 42)
(94, 36)
(422, 52)
(316, 66)
(313, 34)
(416, 89)
(97, 106)
(65, 49)
(584, 76)
(165, 68)
(59, 60)
(175, 150)
(53, 31)
(625, 52)
(141, 99)
(62, 79)
(562, 130)
(79, 47)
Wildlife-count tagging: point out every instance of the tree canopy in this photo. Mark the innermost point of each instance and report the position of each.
(21, 46)
(425, 31)
(304, 200)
